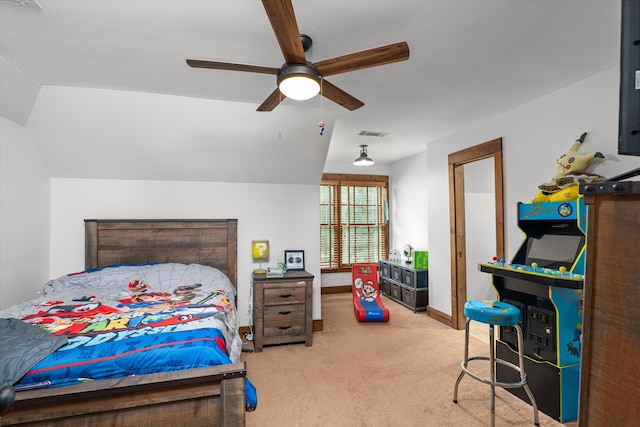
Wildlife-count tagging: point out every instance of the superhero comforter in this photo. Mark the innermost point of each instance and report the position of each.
(133, 320)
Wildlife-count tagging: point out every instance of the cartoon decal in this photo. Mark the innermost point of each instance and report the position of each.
(366, 291)
(575, 345)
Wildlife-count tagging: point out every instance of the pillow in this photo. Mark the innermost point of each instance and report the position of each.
(22, 346)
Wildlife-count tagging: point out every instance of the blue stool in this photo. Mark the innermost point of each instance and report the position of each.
(501, 314)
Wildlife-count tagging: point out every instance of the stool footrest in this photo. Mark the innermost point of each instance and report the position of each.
(520, 383)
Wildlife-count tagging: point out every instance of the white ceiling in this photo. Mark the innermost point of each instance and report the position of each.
(469, 59)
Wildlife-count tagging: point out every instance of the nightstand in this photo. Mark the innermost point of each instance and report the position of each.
(282, 309)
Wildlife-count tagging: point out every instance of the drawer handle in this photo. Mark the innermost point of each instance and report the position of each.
(285, 295)
(284, 327)
(284, 312)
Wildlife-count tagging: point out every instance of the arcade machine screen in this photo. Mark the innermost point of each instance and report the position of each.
(553, 250)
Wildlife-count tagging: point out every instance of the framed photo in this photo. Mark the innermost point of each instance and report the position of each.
(294, 259)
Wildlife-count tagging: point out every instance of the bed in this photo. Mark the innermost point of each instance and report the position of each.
(198, 395)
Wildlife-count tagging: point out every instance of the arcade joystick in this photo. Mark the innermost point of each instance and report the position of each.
(562, 270)
(498, 262)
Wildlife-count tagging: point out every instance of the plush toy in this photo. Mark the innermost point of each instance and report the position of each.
(570, 172)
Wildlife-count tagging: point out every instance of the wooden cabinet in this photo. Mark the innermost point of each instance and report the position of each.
(282, 309)
(405, 284)
(610, 378)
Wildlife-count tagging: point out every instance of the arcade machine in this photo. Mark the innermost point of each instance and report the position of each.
(545, 280)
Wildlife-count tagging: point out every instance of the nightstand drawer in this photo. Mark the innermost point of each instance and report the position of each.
(282, 295)
(284, 320)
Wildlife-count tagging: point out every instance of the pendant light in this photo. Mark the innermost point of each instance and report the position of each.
(363, 160)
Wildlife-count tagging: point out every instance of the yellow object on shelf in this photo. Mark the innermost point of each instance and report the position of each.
(260, 252)
(260, 249)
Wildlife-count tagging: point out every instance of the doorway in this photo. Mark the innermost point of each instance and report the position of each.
(488, 150)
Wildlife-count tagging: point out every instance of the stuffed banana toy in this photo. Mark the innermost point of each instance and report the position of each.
(570, 171)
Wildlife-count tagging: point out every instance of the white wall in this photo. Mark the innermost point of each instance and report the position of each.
(480, 233)
(534, 135)
(408, 204)
(286, 215)
(24, 216)
(116, 134)
(480, 238)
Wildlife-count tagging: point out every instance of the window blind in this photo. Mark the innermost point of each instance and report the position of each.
(354, 226)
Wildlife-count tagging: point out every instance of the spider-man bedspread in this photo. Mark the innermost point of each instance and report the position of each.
(133, 320)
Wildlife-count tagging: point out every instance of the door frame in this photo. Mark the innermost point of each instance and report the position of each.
(457, 160)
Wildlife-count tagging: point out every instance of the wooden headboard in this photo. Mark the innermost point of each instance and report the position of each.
(210, 242)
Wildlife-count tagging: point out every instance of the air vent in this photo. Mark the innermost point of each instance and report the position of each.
(374, 134)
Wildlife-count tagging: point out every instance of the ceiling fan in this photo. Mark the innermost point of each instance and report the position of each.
(293, 46)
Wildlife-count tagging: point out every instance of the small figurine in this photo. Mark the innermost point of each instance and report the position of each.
(570, 172)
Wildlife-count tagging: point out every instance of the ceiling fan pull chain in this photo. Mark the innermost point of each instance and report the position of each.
(321, 124)
(280, 115)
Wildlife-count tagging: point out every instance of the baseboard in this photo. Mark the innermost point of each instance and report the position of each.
(439, 316)
(326, 290)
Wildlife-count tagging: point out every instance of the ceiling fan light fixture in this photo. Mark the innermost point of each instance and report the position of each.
(364, 159)
(299, 81)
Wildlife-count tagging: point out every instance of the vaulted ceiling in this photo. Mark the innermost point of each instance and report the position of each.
(469, 59)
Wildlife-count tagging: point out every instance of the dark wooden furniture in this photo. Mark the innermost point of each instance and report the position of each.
(282, 309)
(610, 376)
(213, 396)
(404, 284)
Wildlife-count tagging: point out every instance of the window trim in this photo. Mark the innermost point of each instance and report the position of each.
(360, 181)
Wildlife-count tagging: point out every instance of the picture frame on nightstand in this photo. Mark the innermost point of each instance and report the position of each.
(294, 259)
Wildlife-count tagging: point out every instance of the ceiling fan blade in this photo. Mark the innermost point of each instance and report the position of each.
(272, 101)
(339, 96)
(285, 26)
(196, 63)
(364, 59)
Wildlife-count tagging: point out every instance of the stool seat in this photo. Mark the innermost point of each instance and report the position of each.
(492, 312)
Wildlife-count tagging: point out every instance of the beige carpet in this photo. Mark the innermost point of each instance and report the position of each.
(399, 373)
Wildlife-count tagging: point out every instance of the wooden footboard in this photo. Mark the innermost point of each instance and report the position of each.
(213, 396)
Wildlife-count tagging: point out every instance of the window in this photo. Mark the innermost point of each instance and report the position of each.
(354, 224)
